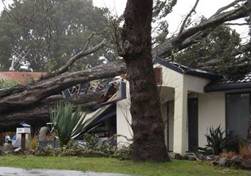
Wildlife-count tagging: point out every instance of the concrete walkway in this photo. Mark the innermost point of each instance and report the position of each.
(6, 171)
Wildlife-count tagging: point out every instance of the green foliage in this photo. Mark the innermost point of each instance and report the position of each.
(67, 122)
(48, 32)
(216, 140)
(4, 84)
(91, 141)
(216, 53)
(160, 11)
(233, 143)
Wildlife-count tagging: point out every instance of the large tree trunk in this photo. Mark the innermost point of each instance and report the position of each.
(147, 124)
(31, 95)
(39, 115)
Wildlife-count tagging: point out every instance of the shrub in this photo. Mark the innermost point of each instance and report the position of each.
(216, 140)
(245, 151)
(123, 153)
(91, 141)
(34, 143)
(68, 123)
(233, 143)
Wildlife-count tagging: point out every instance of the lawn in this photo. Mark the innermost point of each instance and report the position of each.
(174, 168)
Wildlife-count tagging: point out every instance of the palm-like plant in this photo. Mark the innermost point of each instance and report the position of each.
(68, 122)
(216, 140)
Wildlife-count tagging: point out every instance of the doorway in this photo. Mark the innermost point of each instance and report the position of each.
(192, 124)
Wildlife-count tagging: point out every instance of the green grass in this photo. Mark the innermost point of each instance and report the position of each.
(174, 168)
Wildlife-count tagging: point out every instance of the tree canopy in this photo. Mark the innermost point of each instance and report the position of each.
(47, 32)
(217, 53)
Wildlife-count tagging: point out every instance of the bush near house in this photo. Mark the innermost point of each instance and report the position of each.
(67, 121)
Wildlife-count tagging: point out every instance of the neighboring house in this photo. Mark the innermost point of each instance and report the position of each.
(22, 78)
(192, 101)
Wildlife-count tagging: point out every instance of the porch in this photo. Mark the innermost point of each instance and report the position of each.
(188, 112)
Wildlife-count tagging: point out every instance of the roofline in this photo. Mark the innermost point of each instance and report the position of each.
(227, 87)
(208, 75)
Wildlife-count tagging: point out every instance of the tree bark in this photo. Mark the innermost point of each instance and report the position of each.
(39, 115)
(31, 95)
(147, 124)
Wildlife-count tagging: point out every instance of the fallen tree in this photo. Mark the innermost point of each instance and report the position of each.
(22, 102)
(189, 36)
(34, 93)
(38, 115)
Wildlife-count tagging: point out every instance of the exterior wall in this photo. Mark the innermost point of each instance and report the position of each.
(180, 132)
(171, 78)
(176, 86)
(124, 120)
(211, 114)
(195, 84)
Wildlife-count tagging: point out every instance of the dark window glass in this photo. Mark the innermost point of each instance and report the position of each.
(238, 112)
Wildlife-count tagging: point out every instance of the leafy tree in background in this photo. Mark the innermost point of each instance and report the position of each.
(47, 32)
(216, 53)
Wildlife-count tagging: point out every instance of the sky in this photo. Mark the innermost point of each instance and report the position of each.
(205, 7)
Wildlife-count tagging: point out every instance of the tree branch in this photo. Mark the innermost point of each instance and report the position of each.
(236, 24)
(194, 34)
(188, 16)
(33, 94)
(228, 6)
(78, 56)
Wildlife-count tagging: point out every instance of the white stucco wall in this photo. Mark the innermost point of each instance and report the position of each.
(176, 86)
(178, 124)
(195, 84)
(124, 120)
(170, 78)
(211, 114)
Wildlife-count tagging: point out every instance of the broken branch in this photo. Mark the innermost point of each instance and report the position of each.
(35, 93)
(78, 56)
(188, 16)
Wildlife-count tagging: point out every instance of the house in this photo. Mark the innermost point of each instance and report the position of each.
(192, 101)
(22, 78)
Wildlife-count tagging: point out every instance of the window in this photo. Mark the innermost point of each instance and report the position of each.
(238, 114)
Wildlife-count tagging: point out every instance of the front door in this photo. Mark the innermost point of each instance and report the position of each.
(192, 124)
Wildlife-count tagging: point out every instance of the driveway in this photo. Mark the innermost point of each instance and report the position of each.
(6, 171)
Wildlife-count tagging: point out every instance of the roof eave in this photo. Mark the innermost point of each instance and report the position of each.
(227, 87)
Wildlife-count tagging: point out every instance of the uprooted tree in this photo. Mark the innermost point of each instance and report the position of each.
(136, 50)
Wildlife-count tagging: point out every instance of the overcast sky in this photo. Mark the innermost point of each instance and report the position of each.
(205, 7)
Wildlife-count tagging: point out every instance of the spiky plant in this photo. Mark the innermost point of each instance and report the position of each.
(68, 122)
(216, 140)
